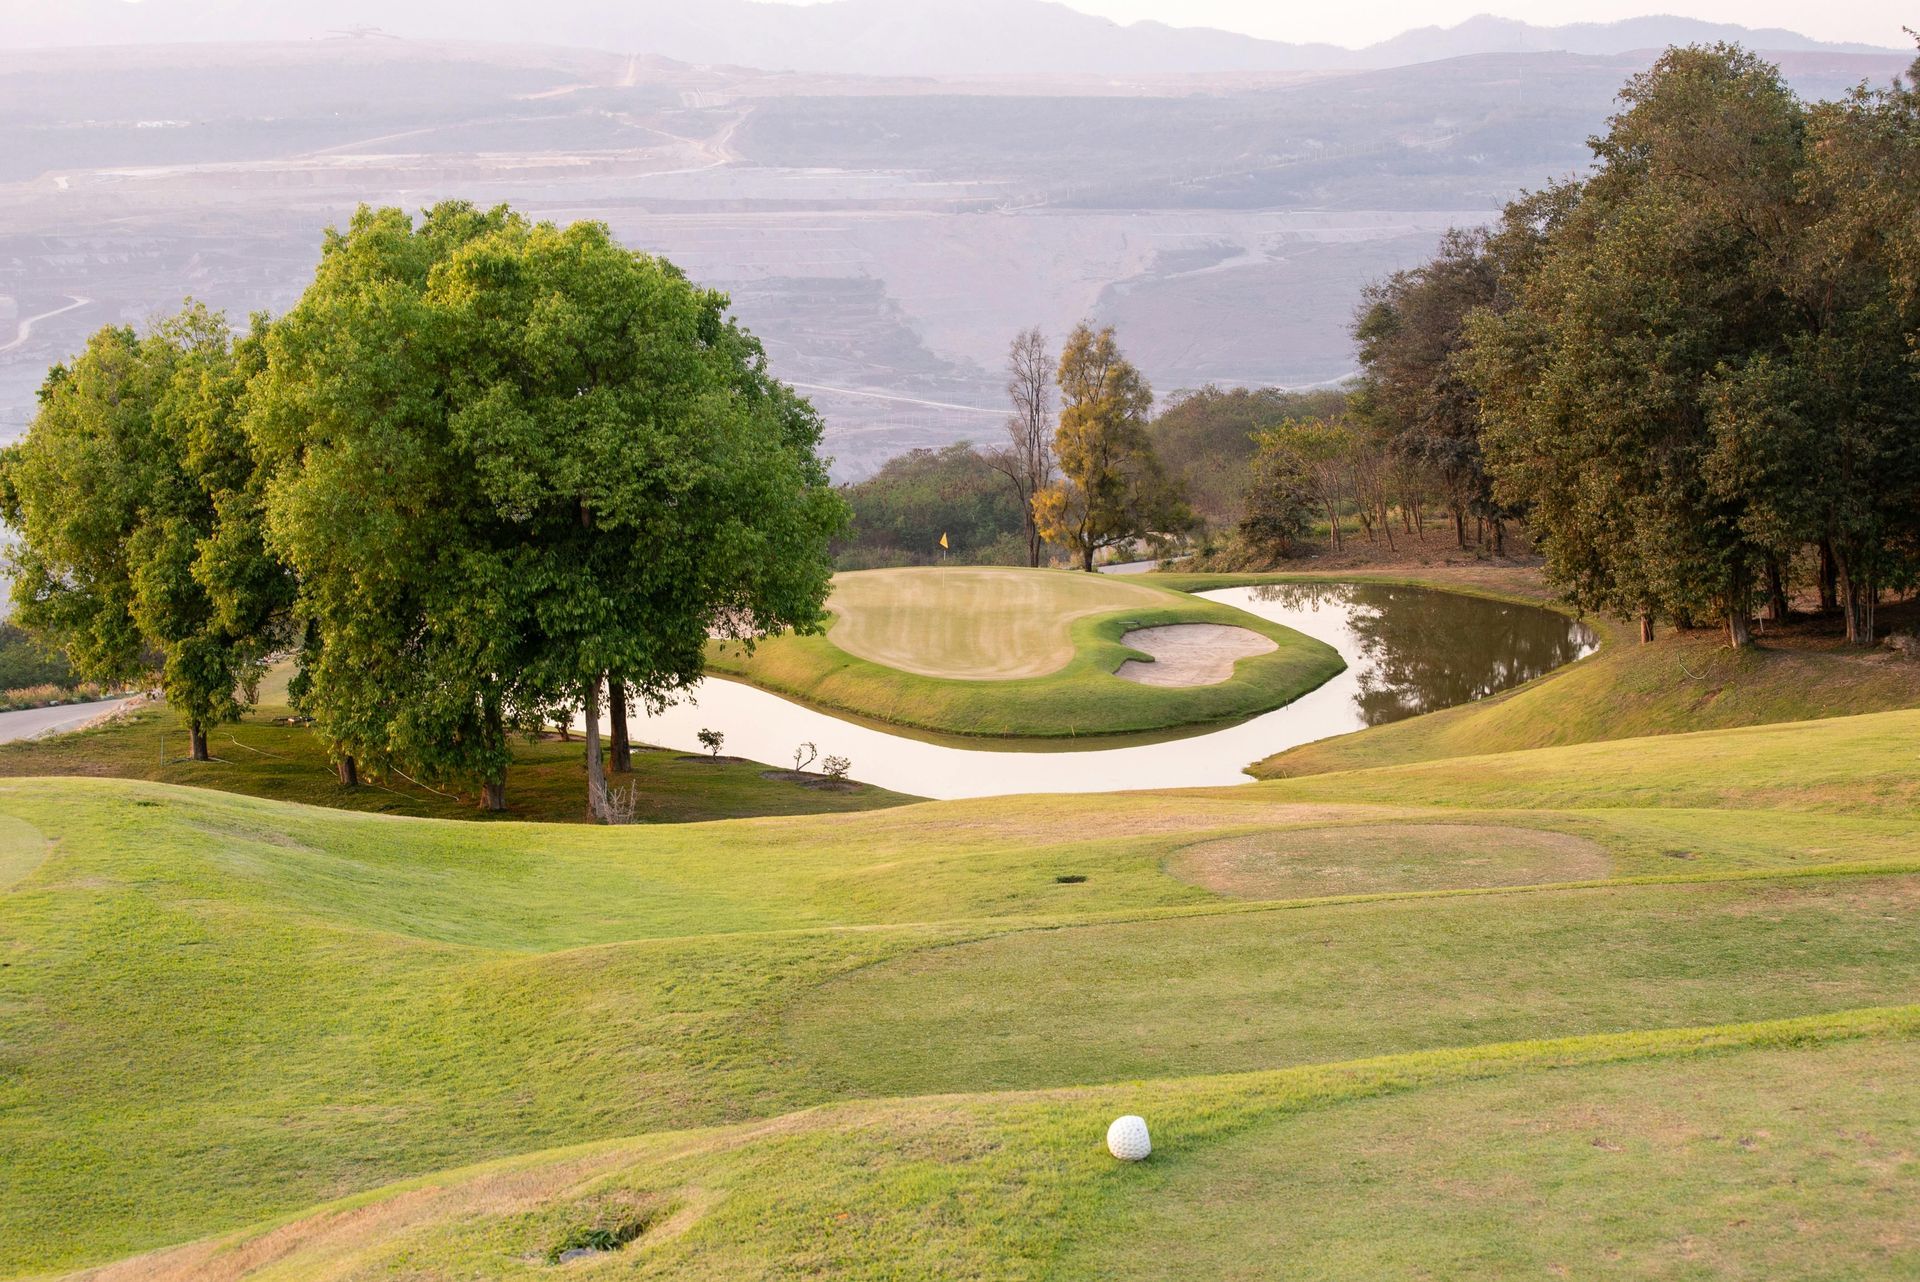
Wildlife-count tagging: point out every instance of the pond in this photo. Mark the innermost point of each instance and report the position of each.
(1408, 651)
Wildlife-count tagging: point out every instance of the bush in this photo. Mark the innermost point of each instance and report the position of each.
(23, 663)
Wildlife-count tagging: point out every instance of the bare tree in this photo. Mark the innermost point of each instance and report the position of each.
(1027, 458)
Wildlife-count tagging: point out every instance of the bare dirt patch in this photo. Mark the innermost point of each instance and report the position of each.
(1190, 654)
(1372, 858)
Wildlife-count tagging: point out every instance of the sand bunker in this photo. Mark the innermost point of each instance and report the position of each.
(1189, 654)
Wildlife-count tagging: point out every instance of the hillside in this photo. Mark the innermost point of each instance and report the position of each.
(415, 995)
(942, 37)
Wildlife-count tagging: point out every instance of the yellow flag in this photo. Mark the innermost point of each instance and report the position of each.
(943, 538)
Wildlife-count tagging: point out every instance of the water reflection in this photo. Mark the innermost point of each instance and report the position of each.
(1422, 650)
(1408, 650)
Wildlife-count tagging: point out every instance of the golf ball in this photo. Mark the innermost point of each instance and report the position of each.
(1127, 1138)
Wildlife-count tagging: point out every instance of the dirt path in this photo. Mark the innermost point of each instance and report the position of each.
(26, 326)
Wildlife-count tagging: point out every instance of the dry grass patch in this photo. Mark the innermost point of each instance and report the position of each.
(1370, 858)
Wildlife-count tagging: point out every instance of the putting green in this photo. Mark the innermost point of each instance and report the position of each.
(974, 623)
(999, 652)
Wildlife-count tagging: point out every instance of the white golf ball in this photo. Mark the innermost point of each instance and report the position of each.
(1127, 1138)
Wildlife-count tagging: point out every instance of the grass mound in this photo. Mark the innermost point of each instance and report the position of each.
(932, 650)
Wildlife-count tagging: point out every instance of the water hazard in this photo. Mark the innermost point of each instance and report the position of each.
(1408, 651)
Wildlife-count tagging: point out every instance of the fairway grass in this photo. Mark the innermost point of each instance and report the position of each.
(1766, 1150)
(1004, 653)
(220, 1010)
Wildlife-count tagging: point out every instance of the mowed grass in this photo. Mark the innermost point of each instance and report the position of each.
(219, 1010)
(957, 652)
(975, 623)
(262, 756)
(1771, 1150)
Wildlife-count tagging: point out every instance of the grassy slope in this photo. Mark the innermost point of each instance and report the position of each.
(220, 1009)
(1682, 682)
(547, 782)
(1083, 698)
(1772, 1150)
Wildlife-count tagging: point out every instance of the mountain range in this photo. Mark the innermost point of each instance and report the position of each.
(885, 37)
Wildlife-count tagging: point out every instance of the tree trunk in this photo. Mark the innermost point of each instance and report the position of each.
(1333, 527)
(1739, 627)
(596, 768)
(1086, 558)
(493, 793)
(1460, 526)
(1829, 578)
(1386, 525)
(348, 770)
(1646, 628)
(197, 738)
(617, 725)
(1776, 591)
(1033, 536)
(1499, 537)
(1479, 531)
(1856, 597)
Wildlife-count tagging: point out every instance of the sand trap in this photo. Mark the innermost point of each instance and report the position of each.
(1189, 654)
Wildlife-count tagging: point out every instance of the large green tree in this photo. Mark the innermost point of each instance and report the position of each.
(1413, 396)
(411, 601)
(1600, 382)
(1111, 489)
(654, 484)
(514, 463)
(138, 508)
(1823, 431)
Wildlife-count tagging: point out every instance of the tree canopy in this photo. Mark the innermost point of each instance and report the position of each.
(1698, 360)
(512, 462)
(1111, 489)
(139, 513)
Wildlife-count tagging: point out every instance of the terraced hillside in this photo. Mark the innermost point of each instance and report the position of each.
(1630, 1009)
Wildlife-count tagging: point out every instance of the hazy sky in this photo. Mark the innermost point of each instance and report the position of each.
(1361, 22)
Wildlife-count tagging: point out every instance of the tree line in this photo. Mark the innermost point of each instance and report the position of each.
(1072, 481)
(484, 470)
(1692, 372)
